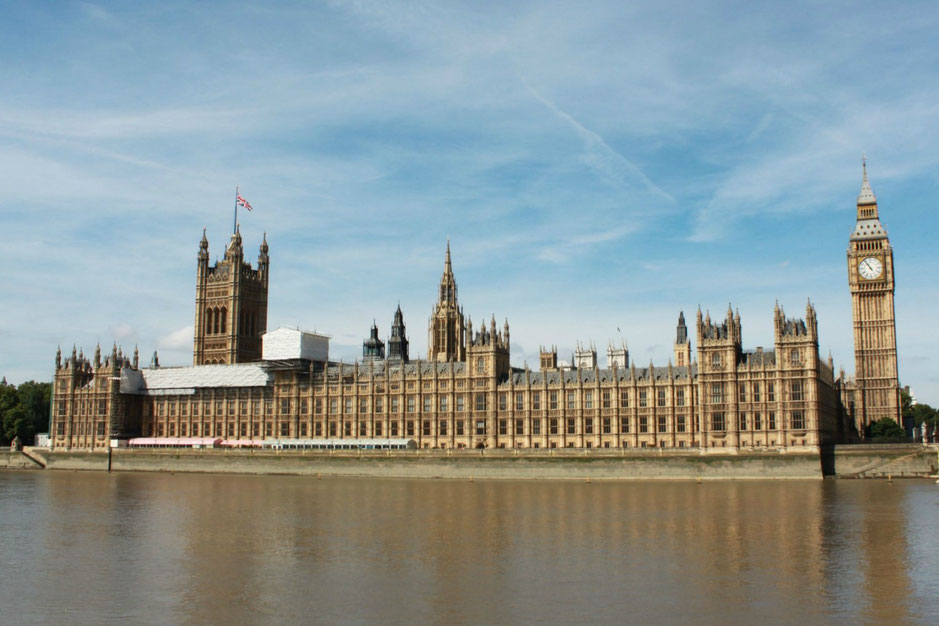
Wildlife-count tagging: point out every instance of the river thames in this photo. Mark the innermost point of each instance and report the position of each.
(95, 548)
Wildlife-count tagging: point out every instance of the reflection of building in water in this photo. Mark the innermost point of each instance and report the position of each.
(466, 394)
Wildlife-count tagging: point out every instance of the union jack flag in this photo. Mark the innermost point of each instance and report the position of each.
(244, 203)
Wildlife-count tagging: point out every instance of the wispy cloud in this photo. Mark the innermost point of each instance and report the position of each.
(595, 166)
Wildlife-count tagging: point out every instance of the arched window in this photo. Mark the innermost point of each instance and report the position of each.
(716, 359)
(215, 321)
(480, 365)
(794, 356)
(224, 320)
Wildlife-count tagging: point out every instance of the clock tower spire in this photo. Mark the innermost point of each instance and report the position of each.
(870, 277)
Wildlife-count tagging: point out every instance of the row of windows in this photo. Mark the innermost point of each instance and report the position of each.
(82, 428)
(755, 421)
(795, 357)
(554, 426)
(83, 407)
(717, 395)
(479, 402)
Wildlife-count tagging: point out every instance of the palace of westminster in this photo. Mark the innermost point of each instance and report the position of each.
(249, 384)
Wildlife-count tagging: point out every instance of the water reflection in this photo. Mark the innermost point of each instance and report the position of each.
(98, 548)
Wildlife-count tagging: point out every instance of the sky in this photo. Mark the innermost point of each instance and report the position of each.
(598, 167)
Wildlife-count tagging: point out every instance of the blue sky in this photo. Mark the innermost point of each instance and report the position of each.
(597, 167)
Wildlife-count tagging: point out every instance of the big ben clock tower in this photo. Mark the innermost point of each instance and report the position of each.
(870, 275)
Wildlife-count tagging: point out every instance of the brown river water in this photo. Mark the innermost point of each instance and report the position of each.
(97, 548)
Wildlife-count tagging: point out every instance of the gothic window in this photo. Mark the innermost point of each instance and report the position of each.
(480, 365)
(797, 391)
(224, 320)
(716, 359)
(717, 422)
(717, 393)
(798, 420)
(794, 357)
(208, 321)
(536, 400)
(480, 402)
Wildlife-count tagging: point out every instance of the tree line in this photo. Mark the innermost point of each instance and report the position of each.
(887, 430)
(24, 410)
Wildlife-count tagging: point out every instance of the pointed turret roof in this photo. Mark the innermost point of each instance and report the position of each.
(867, 194)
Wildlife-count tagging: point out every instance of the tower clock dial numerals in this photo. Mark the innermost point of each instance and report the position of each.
(870, 268)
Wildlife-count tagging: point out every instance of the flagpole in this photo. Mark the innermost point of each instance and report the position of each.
(235, 225)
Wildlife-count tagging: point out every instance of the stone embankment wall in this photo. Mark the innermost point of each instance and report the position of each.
(15, 460)
(491, 464)
(883, 461)
(861, 461)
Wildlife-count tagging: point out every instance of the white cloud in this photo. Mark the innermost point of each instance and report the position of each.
(180, 339)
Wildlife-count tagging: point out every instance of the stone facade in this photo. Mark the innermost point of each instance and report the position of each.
(874, 393)
(231, 305)
(466, 394)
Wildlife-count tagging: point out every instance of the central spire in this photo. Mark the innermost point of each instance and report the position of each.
(448, 295)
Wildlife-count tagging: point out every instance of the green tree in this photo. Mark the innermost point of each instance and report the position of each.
(906, 402)
(35, 398)
(886, 430)
(24, 411)
(924, 413)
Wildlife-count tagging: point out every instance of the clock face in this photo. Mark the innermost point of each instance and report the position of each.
(870, 268)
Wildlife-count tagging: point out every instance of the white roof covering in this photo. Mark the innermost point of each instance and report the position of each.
(181, 379)
(290, 343)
